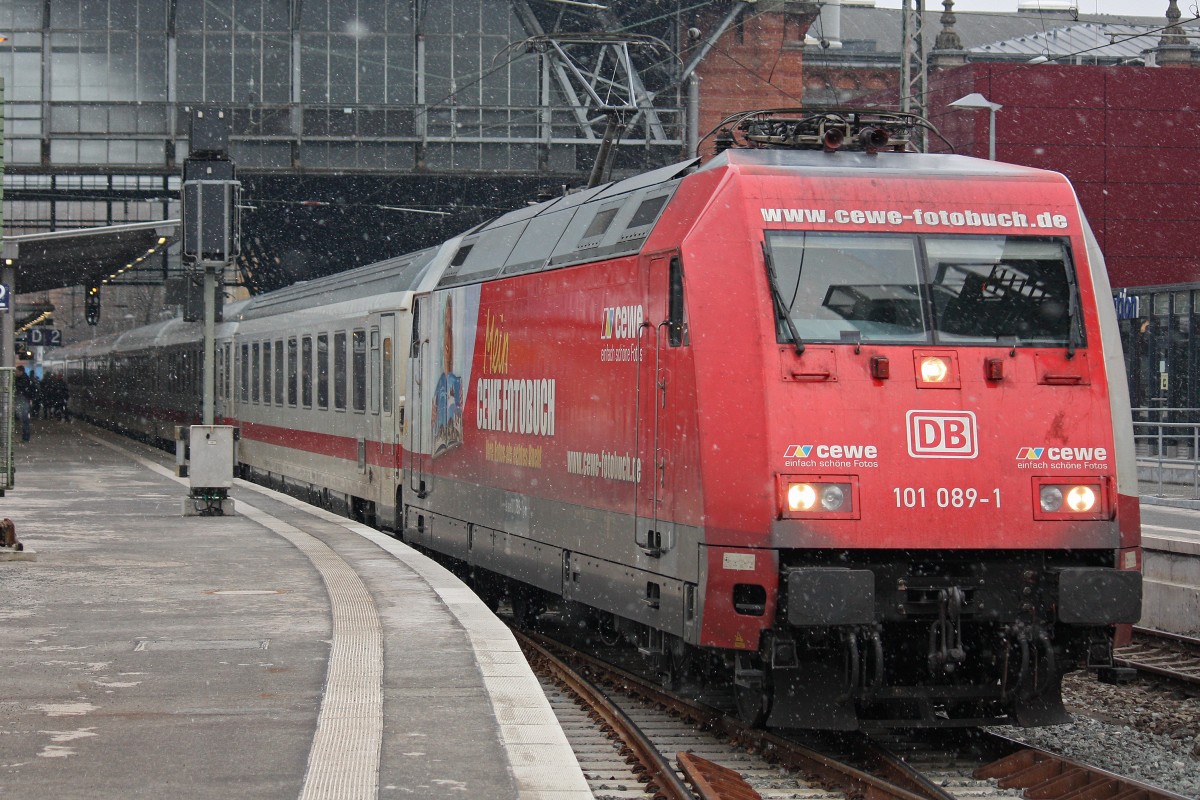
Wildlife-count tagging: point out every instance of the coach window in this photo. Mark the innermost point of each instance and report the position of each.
(339, 371)
(359, 367)
(387, 375)
(279, 373)
(245, 373)
(228, 371)
(374, 373)
(267, 373)
(306, 356)
(323, 370)
(255, 373)
(292, 371)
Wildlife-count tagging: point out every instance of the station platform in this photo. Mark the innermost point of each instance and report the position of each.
(282, 652)
(1171, 563)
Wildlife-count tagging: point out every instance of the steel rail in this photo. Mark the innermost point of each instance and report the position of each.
(660, 775)
(818, 767)
(1042, 774)
(1048, 776)
(1167, 663)
(1154, 633)
(900, 772)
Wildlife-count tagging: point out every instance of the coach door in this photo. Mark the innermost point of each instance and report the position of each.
(655, 531)
(384, 362)
(417, 430)
(389, 420)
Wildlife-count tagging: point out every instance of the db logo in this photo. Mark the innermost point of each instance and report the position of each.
(942, 434)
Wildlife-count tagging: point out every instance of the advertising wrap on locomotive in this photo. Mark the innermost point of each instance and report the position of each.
(844, 424)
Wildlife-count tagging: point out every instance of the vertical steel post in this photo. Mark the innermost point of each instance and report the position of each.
(914, 63)
(8, 273)
(210, 345)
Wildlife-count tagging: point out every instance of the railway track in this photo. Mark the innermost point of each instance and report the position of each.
(720, 758)
(1166, 655)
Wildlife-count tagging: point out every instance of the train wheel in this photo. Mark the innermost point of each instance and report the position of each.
(609, 630)
(488, 587)
(673, 665)
(527, 606)
(751, 689)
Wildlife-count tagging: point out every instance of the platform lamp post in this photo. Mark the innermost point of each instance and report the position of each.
(211, 240)
(975, 101)
(8, 272)
(211, 224)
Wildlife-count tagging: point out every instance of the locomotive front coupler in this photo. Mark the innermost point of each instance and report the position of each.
(864, 659)
(946, 651)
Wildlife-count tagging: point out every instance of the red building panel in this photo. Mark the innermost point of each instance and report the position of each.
(1045, 86)
(1147, 129)
(1085, 164)
(1161, 202)
(1126, 137)
(1144, 238)
(1073, 126)
(1154, 165)
(1151, 89)
(1137, 271)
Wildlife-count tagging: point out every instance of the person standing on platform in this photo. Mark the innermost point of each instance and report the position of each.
(37, 396)
(23, 398)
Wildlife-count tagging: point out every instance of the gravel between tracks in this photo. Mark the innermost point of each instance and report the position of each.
(1143, 730)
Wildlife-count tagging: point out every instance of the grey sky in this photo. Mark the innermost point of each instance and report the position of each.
(1140, 8)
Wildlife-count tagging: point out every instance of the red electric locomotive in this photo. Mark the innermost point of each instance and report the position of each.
(846, 423)
(855, 420)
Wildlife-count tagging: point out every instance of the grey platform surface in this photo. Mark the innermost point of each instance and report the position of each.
(145, 654)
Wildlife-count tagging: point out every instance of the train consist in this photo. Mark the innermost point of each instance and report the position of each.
(843, 423)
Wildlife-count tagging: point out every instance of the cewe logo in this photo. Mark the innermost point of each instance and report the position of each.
(942, 434)
(1063, 453)
(622, 322)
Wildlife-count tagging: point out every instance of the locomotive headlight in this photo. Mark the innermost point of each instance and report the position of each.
(1052, 499)
(832, 497)
(1059, 499)
(934, 369)
(1081, 499)
(801, 497)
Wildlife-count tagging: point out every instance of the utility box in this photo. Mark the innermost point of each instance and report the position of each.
(210, 461)
(207, 462)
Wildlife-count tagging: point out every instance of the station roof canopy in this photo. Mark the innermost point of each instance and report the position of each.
(83, 256)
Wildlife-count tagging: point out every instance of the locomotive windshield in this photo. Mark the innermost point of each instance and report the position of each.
(923, 289)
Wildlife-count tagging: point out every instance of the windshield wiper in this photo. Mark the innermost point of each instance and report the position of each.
(1072, 312)
(781, 311)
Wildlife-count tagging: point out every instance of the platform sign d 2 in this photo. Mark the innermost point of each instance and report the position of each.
(44, 337)
(4, 297)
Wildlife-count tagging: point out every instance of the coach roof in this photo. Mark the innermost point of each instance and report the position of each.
(399, 274)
